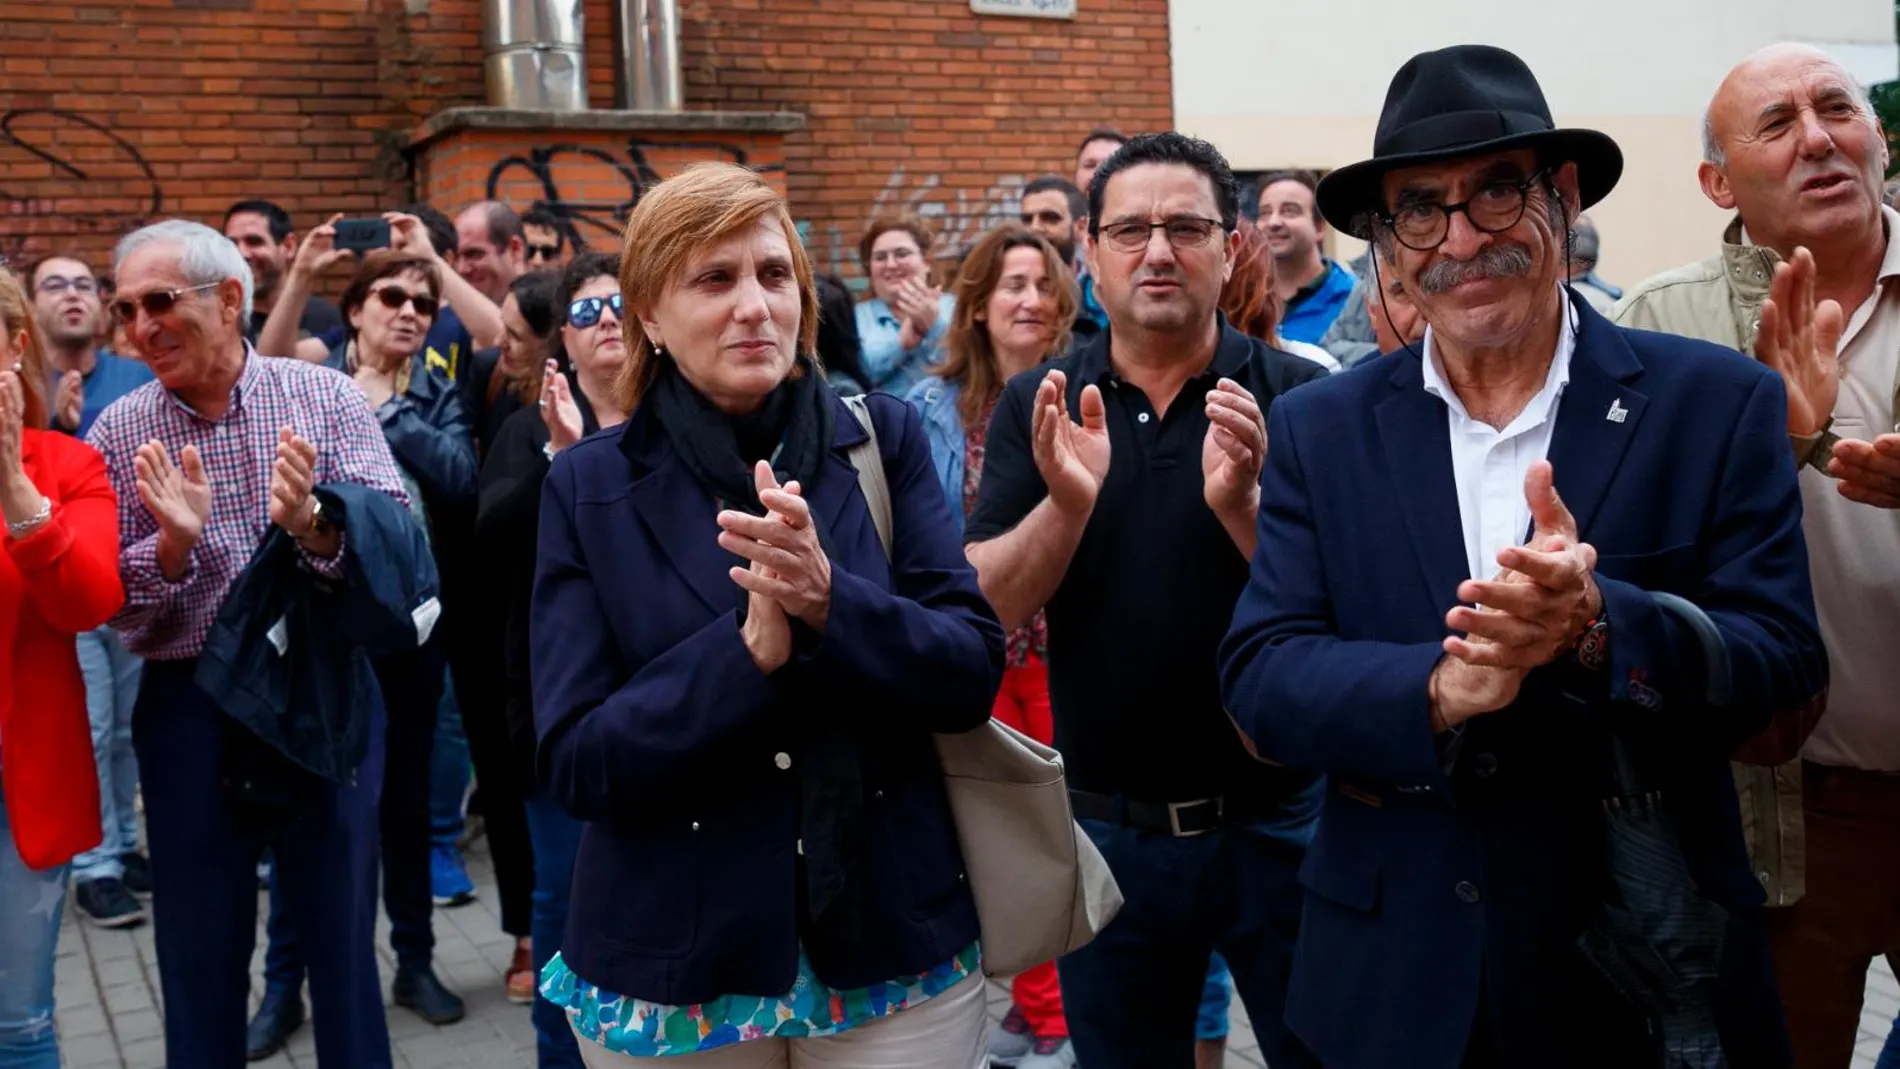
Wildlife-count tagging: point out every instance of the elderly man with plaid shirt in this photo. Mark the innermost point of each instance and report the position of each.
(205, 461)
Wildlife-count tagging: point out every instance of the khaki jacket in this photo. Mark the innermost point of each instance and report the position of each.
(1719, 300)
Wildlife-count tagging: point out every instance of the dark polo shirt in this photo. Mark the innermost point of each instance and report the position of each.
(1135, 625)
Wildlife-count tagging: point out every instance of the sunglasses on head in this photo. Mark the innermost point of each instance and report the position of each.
(394, 297)
(155, 303)
(585, 312)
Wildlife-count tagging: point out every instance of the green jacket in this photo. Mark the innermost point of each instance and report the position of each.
(1719, 300)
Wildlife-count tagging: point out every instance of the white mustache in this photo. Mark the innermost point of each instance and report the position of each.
(1497, 261)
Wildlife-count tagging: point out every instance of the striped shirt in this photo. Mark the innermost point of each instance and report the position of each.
(165, 619)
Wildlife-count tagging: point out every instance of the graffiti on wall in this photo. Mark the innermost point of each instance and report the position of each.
(65, 176)
(591, 189)
(958, 215)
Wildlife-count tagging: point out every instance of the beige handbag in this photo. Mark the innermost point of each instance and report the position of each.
(1041, 887)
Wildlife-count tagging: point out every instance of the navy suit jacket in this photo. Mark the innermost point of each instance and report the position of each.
(656, 727)
(1440, 871)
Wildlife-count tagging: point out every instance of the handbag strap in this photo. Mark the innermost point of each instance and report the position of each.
(869, 462)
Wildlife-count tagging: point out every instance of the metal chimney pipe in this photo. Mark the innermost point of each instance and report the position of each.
(533, 54)
(647, 55)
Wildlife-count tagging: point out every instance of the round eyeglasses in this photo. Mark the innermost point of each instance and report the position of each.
(1495, 208)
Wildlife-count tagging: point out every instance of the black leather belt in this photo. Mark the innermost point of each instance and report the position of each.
(1179, 819)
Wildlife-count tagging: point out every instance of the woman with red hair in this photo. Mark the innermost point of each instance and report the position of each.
(1250, 305)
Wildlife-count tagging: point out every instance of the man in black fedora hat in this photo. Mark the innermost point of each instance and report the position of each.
(1466, 670)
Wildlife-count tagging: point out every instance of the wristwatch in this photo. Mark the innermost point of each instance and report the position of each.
(1593, 643)
(320, 525)
(1817, 454)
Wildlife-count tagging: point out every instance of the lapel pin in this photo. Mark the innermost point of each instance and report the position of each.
(1617, 412)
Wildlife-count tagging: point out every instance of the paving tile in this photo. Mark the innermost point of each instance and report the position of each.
(110, 1010)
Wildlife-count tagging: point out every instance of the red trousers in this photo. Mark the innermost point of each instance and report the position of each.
(1023, 704)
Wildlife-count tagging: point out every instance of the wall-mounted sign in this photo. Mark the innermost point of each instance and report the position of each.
(1029, 9)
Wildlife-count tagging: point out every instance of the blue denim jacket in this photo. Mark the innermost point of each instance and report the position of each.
(887, 364)
(936, 401)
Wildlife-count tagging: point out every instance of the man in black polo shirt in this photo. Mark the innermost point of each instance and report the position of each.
(1133, 527)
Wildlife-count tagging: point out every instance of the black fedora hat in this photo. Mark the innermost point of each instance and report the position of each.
(1467, 100)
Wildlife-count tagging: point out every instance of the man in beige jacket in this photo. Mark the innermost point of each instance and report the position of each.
(1793, 148)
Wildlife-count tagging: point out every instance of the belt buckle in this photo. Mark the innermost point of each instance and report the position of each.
(1174, 816)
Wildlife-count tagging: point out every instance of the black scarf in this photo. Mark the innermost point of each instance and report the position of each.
(792, 430)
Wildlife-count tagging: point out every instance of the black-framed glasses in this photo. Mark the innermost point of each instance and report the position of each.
(394, 297)
(157, 302)
(53, 285)
(1185, 232)
(1495, 208)
(549, 253)
(585, 312)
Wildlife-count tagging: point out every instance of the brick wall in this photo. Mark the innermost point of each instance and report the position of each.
(592, 177)
(119, 110)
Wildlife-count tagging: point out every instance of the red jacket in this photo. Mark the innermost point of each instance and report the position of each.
(59, 581)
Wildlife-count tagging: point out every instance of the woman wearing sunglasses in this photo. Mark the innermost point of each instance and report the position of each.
(387, 310)
(59, 578)
(586, 354)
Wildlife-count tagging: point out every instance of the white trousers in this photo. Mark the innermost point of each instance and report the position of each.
(947, 1032)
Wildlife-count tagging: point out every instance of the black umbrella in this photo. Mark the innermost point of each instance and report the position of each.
(1656, 939)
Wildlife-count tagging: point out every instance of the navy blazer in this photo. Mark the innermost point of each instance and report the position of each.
(656, 727)
(1440, 867)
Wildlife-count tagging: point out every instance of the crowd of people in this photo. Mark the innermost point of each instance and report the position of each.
(1520, 706)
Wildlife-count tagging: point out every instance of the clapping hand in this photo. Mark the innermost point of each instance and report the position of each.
(1234, 451)
(1869, 472)
(69, 402)
(1800, 339)
(1535, 621)
(178, 496)
(20, 500)
(292, 478)
(918, 304)
(791, 566)
(559, 411)
(1072, 458)
(1529, 615)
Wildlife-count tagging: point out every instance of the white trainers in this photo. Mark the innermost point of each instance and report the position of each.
(1011, 1042)
(1055, 1053)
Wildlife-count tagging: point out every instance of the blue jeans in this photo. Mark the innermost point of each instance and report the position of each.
(557, 839)
(448, 775)
(1217, 998)
(30, 907)
(112, 688)
(1132, 995)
